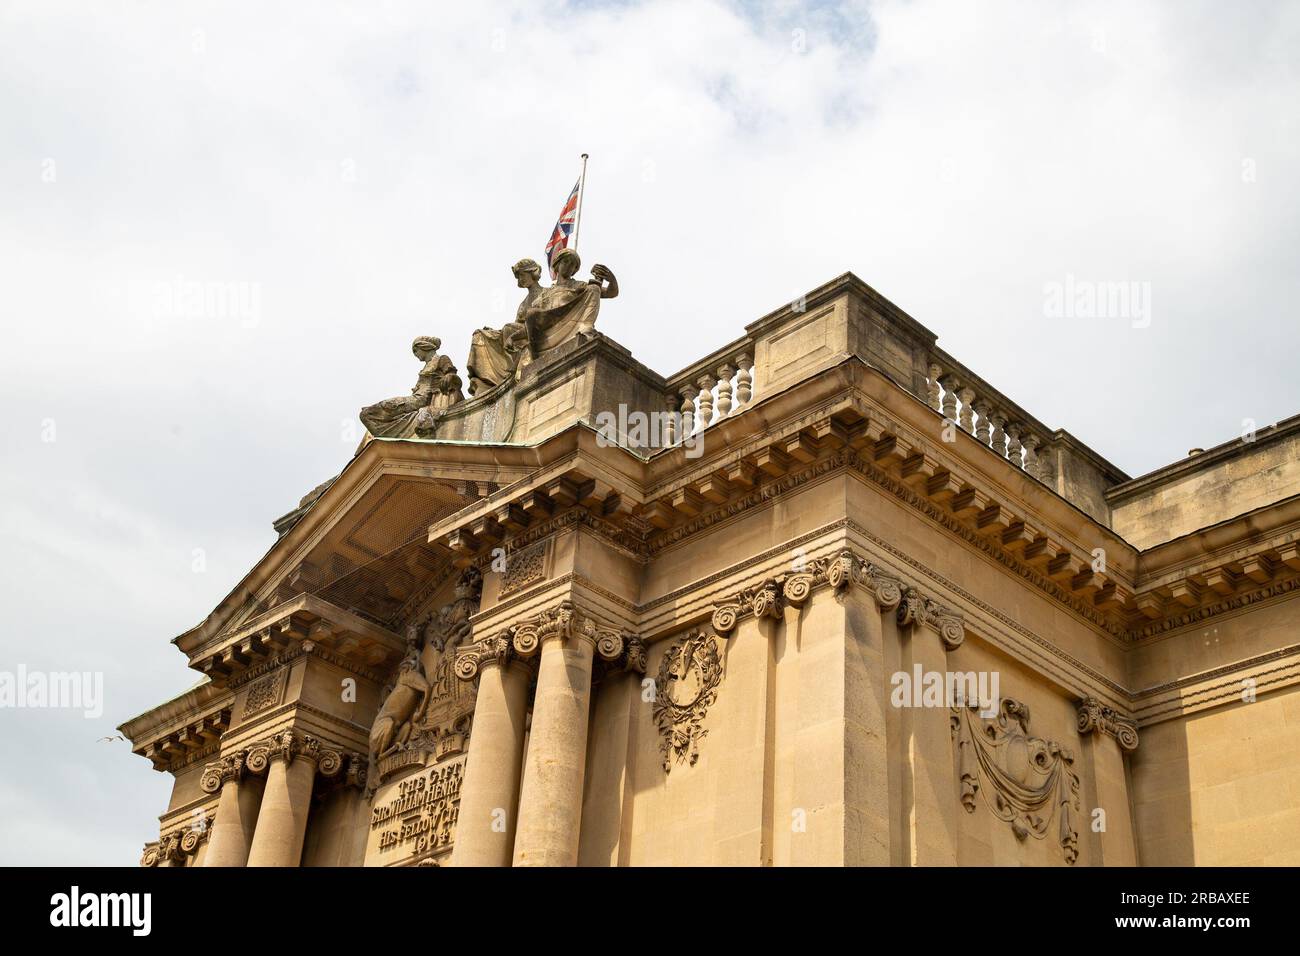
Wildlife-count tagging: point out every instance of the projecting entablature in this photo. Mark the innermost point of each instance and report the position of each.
(305, 624)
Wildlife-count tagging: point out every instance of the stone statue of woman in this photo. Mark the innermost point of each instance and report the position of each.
(446, 393)
(567, 308)
(436, 388)
(494, 355)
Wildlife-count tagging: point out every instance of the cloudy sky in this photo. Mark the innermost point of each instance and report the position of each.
(358, 174)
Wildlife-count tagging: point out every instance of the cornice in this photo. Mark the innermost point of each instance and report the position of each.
(1145, 484)
(306, 624)
(845, 431)
(1221, 685)
(194, 737)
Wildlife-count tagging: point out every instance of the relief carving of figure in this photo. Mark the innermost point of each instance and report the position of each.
(400, 711)
(436, 389)
(568, 307)
(446, 631)
(494, 355)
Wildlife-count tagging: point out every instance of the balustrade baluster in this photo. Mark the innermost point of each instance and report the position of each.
(688, 410)
(982, 408)
(724, 390)
(932, 388)
(706, 383)
(744, 380)
(999, 436)
(967, 395)
(1013, 451)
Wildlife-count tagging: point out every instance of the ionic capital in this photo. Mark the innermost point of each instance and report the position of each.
(916, 610)
(493, 651)
(1096, 717)
(288, 746)
(563, 622)
(620, 651)
(215, 774)
(841, 571)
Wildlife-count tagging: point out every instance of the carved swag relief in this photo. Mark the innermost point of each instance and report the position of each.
(1025, 780)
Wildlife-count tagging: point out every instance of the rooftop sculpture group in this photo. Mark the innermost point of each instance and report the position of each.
(547, 317)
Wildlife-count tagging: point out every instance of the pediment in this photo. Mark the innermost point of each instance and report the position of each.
(362, 545)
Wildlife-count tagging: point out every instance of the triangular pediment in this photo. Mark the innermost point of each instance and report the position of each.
(362, 545)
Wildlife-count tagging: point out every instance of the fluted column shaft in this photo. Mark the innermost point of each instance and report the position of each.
(489, 795)
(282, 820)
(232, 831)
(550, 805)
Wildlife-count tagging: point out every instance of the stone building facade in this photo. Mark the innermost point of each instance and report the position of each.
(592, 615)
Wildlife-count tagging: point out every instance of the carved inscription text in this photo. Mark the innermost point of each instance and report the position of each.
(422, 817)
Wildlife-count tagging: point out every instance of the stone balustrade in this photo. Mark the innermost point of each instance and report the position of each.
(991, 418)
(704, 395)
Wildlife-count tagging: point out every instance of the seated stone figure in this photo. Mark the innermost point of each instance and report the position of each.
(436, 388)
(402, 708)
(446, 393)
(568, 308)
(494, 355)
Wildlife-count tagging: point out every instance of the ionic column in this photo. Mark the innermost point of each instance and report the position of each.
(232, 831)
(840, 753)
(550, 802)
(607, 805)
(931, 788)
(282, 820)
(489, 794)
(1106, 737)
(745, 783)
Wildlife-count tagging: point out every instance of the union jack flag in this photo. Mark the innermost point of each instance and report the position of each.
(563, 228)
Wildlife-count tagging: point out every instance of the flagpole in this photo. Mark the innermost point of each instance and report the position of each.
(582, 191)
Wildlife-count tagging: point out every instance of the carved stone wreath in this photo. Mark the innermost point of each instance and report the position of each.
(1029, 779)
(686, 687)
